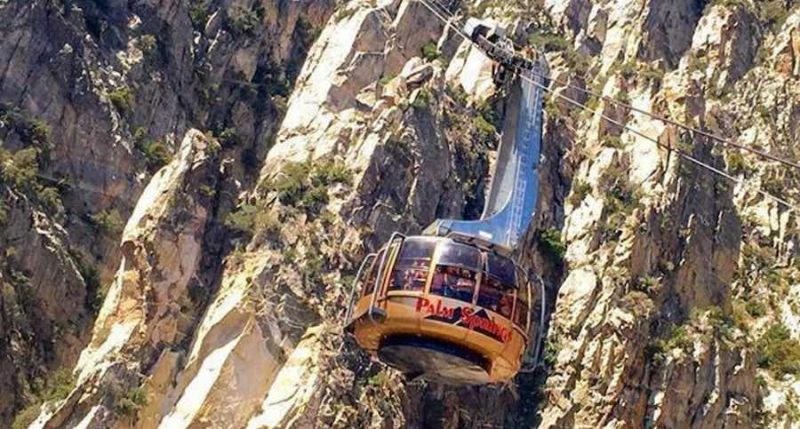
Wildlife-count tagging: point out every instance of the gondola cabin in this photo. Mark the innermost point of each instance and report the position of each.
(444, 310)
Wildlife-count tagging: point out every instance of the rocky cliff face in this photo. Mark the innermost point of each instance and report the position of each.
(188, 188)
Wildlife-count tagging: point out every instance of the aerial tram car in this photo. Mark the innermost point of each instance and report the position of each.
(452, 305)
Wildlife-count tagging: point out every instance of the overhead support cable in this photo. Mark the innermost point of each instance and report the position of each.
(682, 154)
(707, 134)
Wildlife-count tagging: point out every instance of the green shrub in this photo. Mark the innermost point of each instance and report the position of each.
(243, 21)
(291, 183)
(250, 219)
(549, 41)
(737, 164)
(3, 213)
(773, 12)
(20, 169)
(147, 44)
(57, 387)
(385, 80)
(108, 221)
(122, 99)
(304, 185)
(95, 293)
(422, 100)
(486, 130)
(551, 351)
(156, 154)
(778, 352)
(614, 142)
(198, 14)
(646, 283)
(229, 138)
(328, 173)
(131, 402)
(37, 131)
(620, 194)
(551, 244)
(207, 191)
(430, 51)
(579, 192)
(755, 308)
(24, 418)
(50, 198)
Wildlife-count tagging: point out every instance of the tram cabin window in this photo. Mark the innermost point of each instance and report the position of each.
(372, 274)
(495, 296)
(456, 272)
(502, 269)
(411, 269)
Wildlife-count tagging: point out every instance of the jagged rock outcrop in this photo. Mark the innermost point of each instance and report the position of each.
(104, 96)
(227, 286)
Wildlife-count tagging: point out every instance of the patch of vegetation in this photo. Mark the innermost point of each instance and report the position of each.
(122, 99)
(147, 44)
(579, 192)
(549, 41)
(156, 153)
(385, 80)
(55, 388)
(755, 308)
(229, 137)
(551, 351)
(621, 198)
(108, 221)
(778, 352)
(305, 186)
(737, 164)
(244, 21)
(37, 131)
(614, 142)
(676, 337)
(774, 12)
(28, 415)
(422, 100)
(3, 213)
(20, 171)
(251, 218)
(207, 191)
(95, 294)
(129, 404)
(50, 198)
(646, 284)
(552, 245)
(430, 51)
(198, 14)
(30, 129)
(486, 130)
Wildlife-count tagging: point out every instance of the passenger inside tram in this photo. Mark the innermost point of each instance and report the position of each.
(453, 282)
(496, 297)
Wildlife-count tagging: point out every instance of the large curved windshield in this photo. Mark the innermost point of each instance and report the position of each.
(413, 263)
(460, 255)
